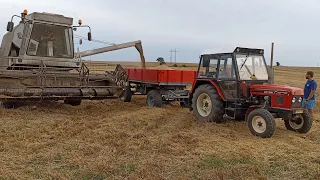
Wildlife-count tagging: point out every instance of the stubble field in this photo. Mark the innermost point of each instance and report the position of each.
(115, 140)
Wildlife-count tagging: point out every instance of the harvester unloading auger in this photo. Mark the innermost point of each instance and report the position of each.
(38, 61)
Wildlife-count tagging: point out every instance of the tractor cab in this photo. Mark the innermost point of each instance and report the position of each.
(234, 72)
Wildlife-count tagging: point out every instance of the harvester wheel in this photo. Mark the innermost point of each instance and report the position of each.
(10, 104)
(207, 104)
(73, 102)
(261, 123)
(301, 123)
(154, 98)
(127, 95)
(184, 104)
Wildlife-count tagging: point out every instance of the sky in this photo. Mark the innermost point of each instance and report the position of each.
(190, 27)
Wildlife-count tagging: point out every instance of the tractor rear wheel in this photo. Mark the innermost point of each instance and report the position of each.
(73, 102)
(261, 123)
(154, 98)
(301, 123)
(207, 104)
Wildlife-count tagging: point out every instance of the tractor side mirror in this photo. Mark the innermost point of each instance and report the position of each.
(10, 26)
(80, 41)
(89, 36)
(206, 62)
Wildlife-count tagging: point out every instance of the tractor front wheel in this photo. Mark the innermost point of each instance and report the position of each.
(300, 123)
(261, 123)
(154, 98)
(207, 104)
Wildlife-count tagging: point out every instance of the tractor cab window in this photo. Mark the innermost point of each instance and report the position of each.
(226, 69)
(251, 67)
(48, 40)
(208, 67)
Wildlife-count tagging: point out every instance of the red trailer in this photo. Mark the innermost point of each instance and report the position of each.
(160, 86)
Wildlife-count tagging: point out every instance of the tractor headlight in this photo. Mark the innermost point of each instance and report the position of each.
(300, 99)
(293, 100)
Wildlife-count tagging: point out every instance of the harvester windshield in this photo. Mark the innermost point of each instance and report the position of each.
(49, 40)
(251, 67)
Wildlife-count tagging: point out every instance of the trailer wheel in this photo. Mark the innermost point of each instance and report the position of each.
(127, 95)
(301, 123)
(73, 102)
(154, 98)
(261, 123)
(207, 104)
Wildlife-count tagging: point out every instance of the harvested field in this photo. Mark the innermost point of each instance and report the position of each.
(115, 140)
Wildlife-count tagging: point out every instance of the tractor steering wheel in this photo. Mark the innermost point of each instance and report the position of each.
(243, 73)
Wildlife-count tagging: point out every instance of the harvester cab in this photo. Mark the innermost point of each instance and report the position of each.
(40, 38)
(235, 86)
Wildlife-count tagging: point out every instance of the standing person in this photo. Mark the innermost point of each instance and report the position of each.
(309, 93)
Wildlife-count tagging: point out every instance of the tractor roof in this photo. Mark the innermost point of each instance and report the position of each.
(242, 50)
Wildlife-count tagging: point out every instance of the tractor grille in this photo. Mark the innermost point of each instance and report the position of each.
(280, 100)
(296, 104)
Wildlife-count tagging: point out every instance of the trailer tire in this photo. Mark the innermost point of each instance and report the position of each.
(73, 102)
(261, 123)
(127, 95)
(211, 100)
(301, 125)
(154, 98)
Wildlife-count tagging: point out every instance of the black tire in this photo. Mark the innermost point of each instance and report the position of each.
(184, 104)
(127, 95)
(73, 102)
(11, 104)
(217, 110)
(268, 122)
(154, 98)
(299, 125)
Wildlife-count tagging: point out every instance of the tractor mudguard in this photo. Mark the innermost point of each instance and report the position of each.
(197, 83)
(251, 108)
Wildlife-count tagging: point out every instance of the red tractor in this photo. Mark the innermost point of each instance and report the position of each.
(235, 86)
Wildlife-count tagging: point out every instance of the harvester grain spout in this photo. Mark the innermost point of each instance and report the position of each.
(136, 44)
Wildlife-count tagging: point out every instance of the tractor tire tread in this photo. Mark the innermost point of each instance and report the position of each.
(306, 126)
(218, 111)
(270, 123)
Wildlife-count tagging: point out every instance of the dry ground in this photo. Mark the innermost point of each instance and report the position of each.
(115, 140)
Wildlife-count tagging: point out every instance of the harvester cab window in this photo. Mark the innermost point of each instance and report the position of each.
(49, 40)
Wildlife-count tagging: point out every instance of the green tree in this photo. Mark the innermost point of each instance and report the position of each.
(278, 64)
(175, 65)
(161, 60)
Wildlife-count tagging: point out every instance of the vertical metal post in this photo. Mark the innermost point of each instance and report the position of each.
(175, 55)
(271, 70)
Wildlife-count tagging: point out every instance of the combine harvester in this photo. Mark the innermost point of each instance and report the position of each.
(228, 85)
(38, 62)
